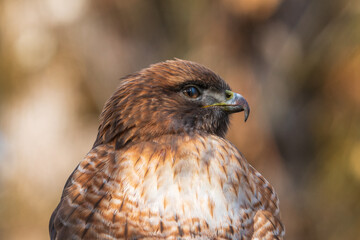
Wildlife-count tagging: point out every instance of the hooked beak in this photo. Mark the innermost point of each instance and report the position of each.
(234, 103)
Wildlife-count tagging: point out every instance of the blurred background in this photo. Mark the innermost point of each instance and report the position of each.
(296, 62)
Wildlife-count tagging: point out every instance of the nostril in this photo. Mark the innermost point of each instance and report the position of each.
(228, 94)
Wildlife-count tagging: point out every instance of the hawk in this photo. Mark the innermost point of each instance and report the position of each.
(161, 167)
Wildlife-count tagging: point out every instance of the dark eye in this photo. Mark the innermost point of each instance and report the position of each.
(191, 92)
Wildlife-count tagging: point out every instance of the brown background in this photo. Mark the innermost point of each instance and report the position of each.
(296, 62)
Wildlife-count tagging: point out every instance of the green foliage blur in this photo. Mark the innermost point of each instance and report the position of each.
(296, 62)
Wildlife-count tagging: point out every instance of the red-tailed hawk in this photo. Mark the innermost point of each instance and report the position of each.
(161, 167)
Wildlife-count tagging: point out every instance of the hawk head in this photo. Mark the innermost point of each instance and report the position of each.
(172, 97)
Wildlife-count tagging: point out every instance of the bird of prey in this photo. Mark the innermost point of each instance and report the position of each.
(161, 167)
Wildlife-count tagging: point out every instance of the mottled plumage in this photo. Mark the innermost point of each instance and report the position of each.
(161, 168)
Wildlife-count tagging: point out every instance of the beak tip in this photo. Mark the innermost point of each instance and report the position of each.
(246, 114)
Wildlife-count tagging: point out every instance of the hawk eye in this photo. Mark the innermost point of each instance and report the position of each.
(191, 92)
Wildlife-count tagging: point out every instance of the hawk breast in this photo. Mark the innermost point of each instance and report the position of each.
(171, 186)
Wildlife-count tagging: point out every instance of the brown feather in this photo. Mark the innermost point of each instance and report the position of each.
(161, 168)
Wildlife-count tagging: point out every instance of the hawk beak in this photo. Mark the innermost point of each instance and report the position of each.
(234, 103)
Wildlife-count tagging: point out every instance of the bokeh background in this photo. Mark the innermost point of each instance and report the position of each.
(296, 62)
